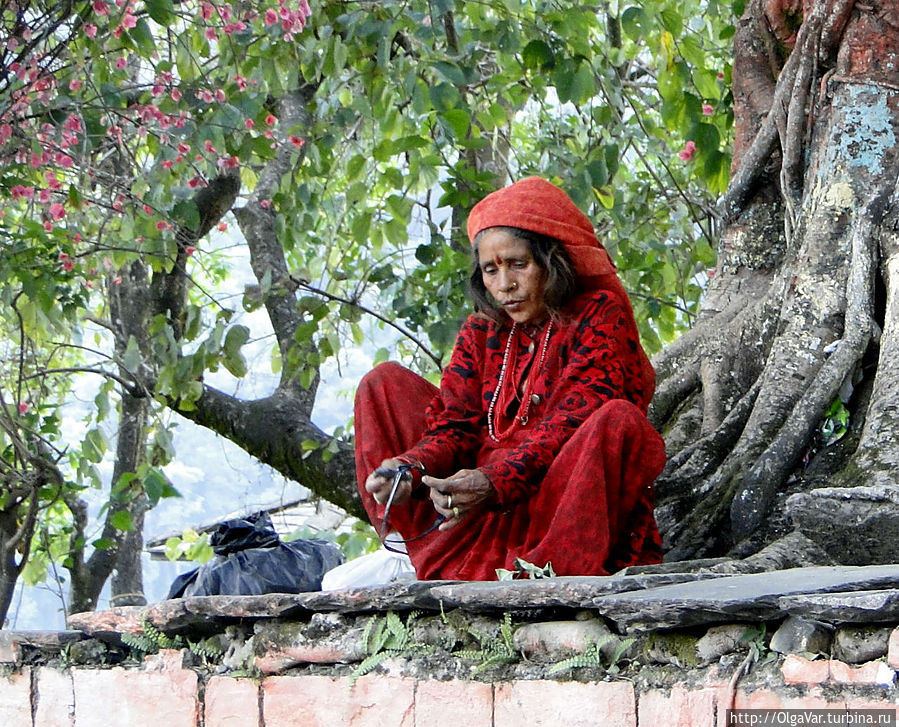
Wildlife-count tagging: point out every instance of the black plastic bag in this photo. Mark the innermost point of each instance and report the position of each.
(251, 560)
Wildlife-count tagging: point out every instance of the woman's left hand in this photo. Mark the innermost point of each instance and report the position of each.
(459, 494)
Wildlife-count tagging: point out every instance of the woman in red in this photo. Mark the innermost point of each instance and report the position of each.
(536, 445)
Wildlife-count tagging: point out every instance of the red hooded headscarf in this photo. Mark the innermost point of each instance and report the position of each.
(539, 206)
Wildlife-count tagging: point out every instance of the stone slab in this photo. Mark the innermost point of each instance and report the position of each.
(399, 596)
(753, 597)
(566, 591)
(13, 642)
(869, 606)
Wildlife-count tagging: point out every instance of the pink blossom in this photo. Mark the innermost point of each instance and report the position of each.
(168, 164)
(686, 154)
(211, 34)
(271, 120)
(265, 203)
(121, 62)
(206, 10)
(708, 109)
(48, 226)
(220, 95)
(75, 84)
(241, 82)
(163, 225)
(249, 123)
(229, 162)
(189, 251)
(5, 132)
(23, 192)
(196, 182)
(72, 123)
(43, 196)
(129, 21)
(296, 140)
(222, 226)
(64, 160)
(210, 149)
(12, 44)
(117, 280)
(720, 75)
(90, 30)
(100, 7)
(176, 94)
(23, 407)
(205, 95)
(183, 148)
(271, 17)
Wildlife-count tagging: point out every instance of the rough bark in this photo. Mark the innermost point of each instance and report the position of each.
(791, 313)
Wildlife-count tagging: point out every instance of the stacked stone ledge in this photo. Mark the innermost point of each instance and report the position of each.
(664, 649)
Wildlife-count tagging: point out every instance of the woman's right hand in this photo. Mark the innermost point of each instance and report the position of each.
(378, 483)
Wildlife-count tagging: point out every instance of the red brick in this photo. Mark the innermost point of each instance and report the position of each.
(231, 702)
(318, 701)
(767, 699)
(799, 670)
(573, 704)
(893, 649)
(679, 707)
(166, 659)
(15, 699)
(135, 698)
(55, 698)
(874, 673)
(469, 704)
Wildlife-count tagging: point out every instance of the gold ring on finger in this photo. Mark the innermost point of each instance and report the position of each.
(455, 512)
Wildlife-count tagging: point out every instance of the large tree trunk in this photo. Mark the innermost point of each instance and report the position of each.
(792, 316)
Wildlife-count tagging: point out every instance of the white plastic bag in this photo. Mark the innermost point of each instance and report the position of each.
(375, 569)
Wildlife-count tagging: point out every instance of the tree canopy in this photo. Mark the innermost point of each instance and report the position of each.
(343, 144)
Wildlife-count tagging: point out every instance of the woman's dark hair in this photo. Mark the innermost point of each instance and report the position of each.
(550, 256)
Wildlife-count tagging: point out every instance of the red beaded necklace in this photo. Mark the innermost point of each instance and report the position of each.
(525, 406)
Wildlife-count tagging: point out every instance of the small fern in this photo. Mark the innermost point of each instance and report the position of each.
(592, 657)
(385, 637)
(150, 640)
(206, 650)
(494, 650)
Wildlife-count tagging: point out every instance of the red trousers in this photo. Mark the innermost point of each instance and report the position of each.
(590, 515)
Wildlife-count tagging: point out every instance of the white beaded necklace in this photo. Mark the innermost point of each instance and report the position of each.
(523, 408)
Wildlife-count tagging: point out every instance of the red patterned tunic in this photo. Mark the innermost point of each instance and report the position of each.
(574, 482)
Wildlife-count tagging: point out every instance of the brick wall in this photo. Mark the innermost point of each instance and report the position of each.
(162, 693)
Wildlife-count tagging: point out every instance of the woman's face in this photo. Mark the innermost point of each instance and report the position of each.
(511, 275)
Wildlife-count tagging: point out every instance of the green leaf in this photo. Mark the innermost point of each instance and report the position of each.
(121, 520)
(162, 11)
(672, 21)
(233, 359)
(538, 56)
(94, 446)
(132, 357)
(451, 72)
(186, 213)
(634, 22)
(143, 38)
(445, 97)
(605, 197)
(458, 122)
(155, 485)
